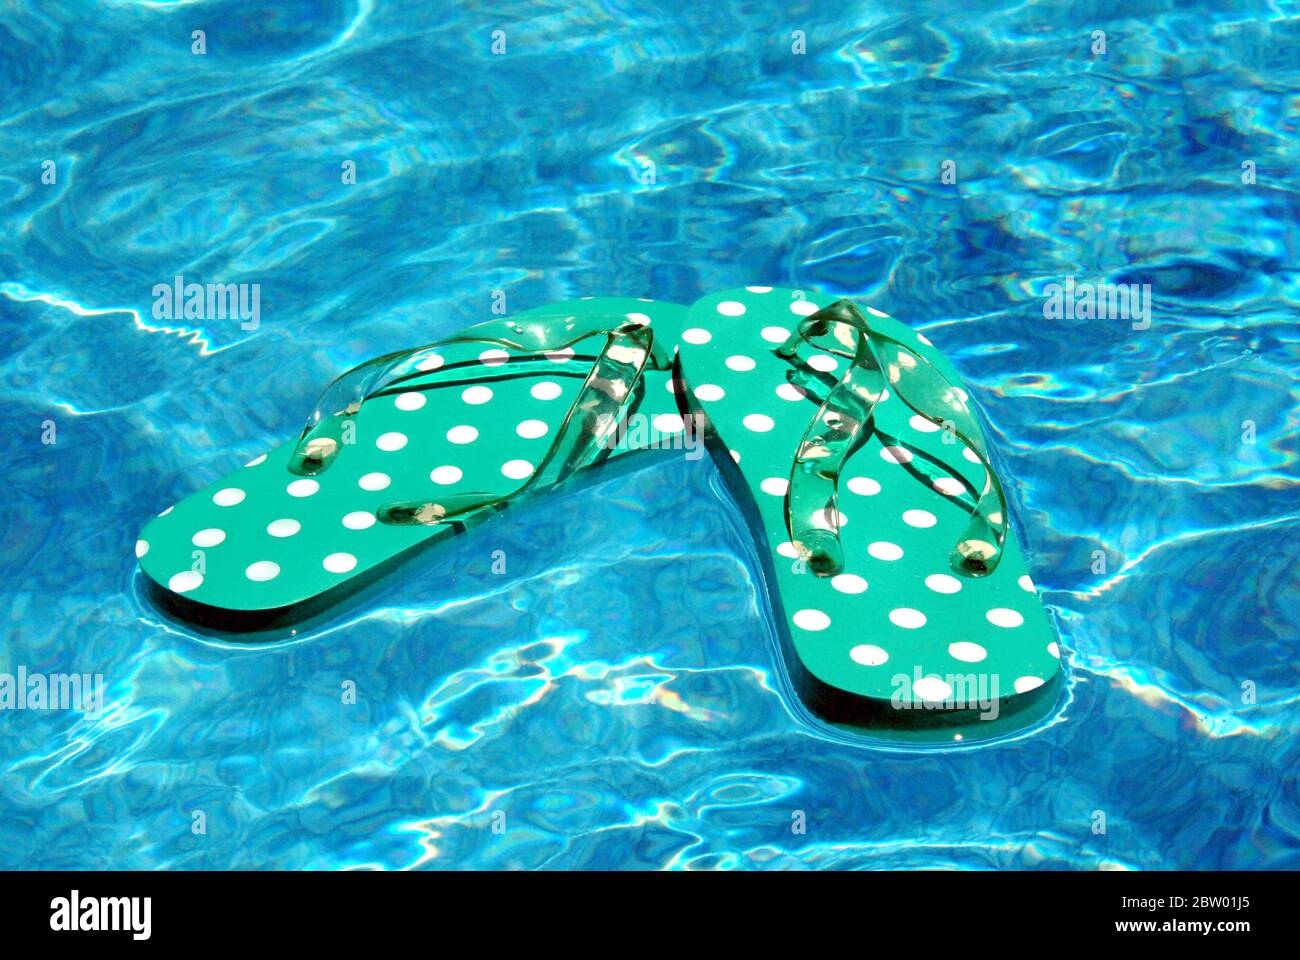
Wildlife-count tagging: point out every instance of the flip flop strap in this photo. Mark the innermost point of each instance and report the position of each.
(583, 435)
(877, 360)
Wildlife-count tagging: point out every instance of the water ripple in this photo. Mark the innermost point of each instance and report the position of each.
(617, 699)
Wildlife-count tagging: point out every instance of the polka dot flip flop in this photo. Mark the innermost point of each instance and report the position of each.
(411, 447)
(902, 601)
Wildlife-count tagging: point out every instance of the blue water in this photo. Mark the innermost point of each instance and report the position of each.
(615, 698)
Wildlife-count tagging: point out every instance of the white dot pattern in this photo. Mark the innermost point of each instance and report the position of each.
(305, 487)
(284, 527)
(748, 394)
(228, 497)
(359, 520)
(446, 475)
(911, 524)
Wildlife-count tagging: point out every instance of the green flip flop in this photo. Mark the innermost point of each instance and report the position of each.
(413, 446)
(903, 603)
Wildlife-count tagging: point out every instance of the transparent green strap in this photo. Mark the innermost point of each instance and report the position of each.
(594, 415)
(877, 361)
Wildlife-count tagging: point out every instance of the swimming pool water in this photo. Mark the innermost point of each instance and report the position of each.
(614, 698)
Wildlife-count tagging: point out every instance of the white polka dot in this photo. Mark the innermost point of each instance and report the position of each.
(735, 455)
(412, 400)
(1026, 583)
(141, 548)
(731, 308)
(811, 620)
(970, 455)
(924, 339)
(374, 481)
(184, 582)
(493, 357)
(848, 583)
(696, 335)
(228, 497)
(446, 475)
(895, 454)
(391, 441)
(907, 618)
(339, 562)
(822, 518)
(708, 392)
(967, 652)
(262, 570)
(261, 458)
(823, 362)
(776, 486)
(942, 583)
(868, 654)
(640, 319)
(740, 363)
(949, 486)
(476, 394)
(517, 469)
(432, 362)
(876, 313)
(788, 549)
(922, 425)
(759, 289)
(775, 334)
(209, 537)
(668, 423)
(286, 527)
(788, 391)
(884, 550)
(919, 518)
(628, 355)
(167, 511)
(1025, 684)
(560, 356)
(1054, 649)
(1003, 617)
(932, 689)
(462, 434)
(531, 429)
(546, 390)
(302, 488)
(759, 422)
(976, 548)
(804, 308)
(359, 520)
(863, 486)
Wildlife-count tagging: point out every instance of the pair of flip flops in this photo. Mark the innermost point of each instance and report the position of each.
(900, 594)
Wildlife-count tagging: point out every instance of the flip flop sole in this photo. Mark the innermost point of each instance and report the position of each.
(263, 539)
(896, 640)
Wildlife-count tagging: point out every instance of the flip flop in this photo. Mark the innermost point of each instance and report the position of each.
(903, 603)
(412, 447)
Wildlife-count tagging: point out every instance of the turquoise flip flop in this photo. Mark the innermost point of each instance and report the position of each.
(902, 599)
(414, 446)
